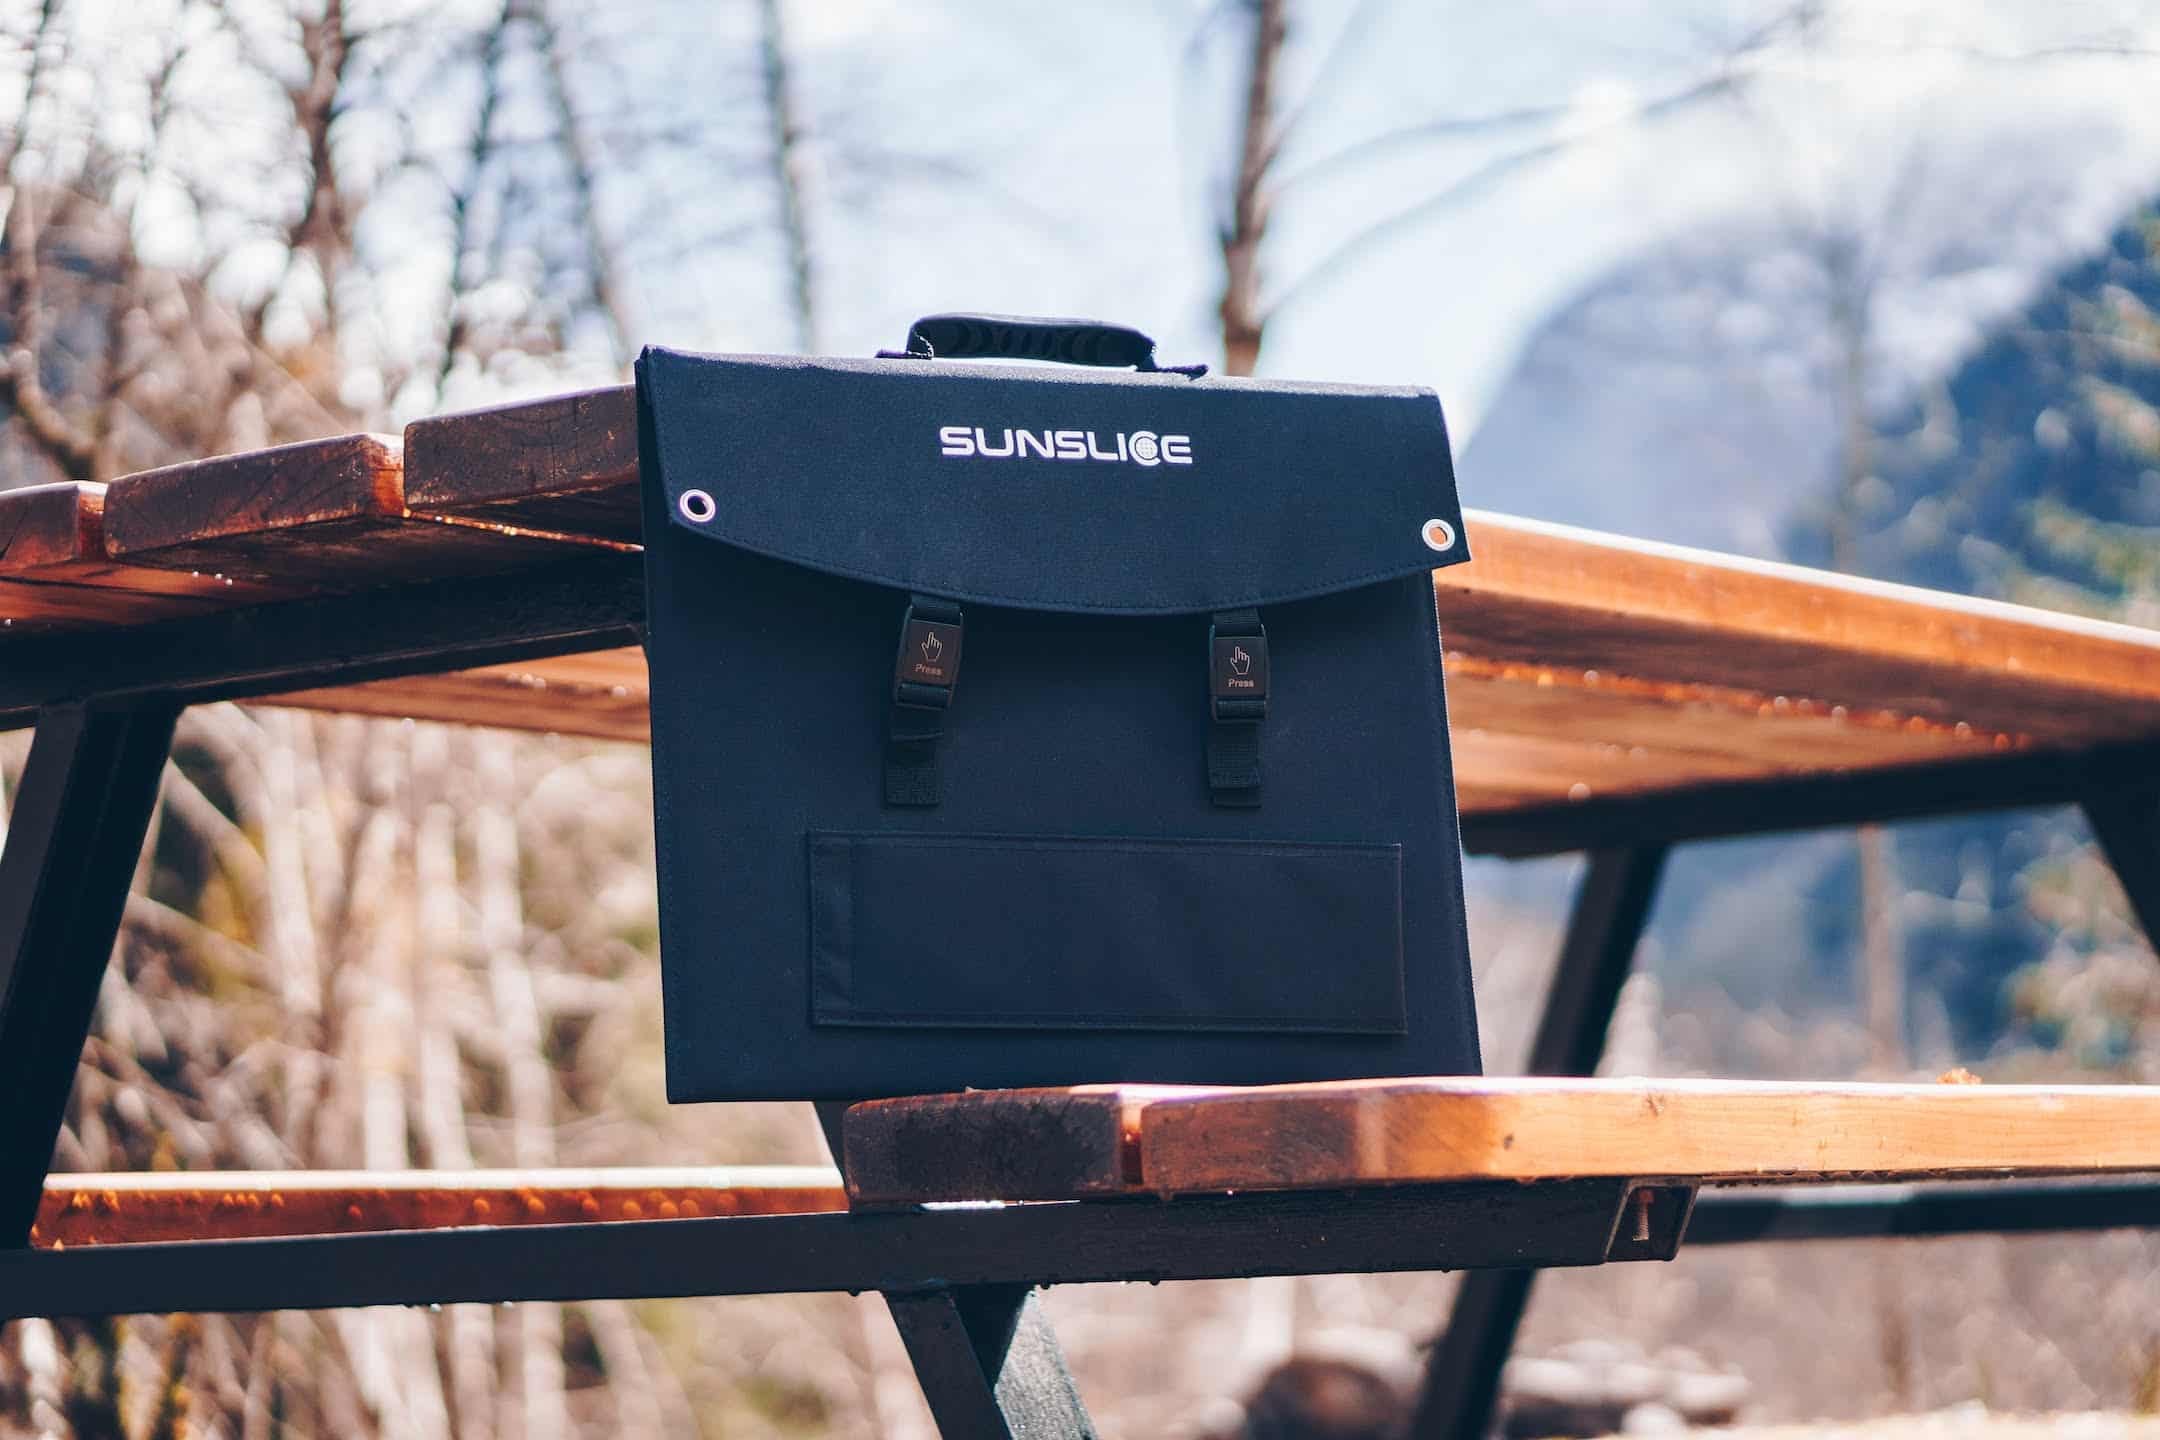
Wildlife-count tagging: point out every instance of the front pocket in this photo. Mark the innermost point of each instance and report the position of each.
(1053, 933)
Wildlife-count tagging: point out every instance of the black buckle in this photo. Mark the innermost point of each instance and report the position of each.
(927, 667)
(1237, 674)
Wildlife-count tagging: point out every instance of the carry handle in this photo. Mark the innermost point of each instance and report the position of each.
(963, 335)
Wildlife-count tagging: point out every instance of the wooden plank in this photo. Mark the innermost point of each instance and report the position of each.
(1571, 602)
(1757, 731)
(115, 1209)
(1068, 1143)
(319, 515)
(567, 463)
(54, 571)
(1533, 769)
(1391, 1132)
(1519, 742)
(601, 695)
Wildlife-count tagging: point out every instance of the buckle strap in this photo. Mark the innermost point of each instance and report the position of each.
(926, 669)
(1237, 703)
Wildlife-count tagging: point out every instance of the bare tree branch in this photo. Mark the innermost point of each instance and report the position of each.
(1391, 142)
(582, 159)
(466, 193)
(1491, 173)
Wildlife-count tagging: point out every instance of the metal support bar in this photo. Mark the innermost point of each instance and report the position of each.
(2017, 780)
(72, 845)
(1392, 1229)
(1462, 1378)
(1612, 906)
(1744, 1217)
(2127, 824)
(990, 1365)
(987, 1359)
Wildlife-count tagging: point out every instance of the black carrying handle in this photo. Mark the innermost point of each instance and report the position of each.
(964, 335)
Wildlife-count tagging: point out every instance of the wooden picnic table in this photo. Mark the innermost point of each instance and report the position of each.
(1597, 685)
(1605, 695)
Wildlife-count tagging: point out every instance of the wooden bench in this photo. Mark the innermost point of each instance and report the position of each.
(1102, 1141)
(1605, 695)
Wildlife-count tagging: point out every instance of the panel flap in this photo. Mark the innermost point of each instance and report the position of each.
(1052, 489)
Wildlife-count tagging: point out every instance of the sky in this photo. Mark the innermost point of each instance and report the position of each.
(1099, 137)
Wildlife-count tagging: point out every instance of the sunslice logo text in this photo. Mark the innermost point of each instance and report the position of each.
(1137, 447)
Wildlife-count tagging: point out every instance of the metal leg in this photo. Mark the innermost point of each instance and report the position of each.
(988, 1361)
(989, 1364)
(2128, 828)
(73, 842)
(1462, 1380)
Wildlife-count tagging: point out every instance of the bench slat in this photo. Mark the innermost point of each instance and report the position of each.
(133, 1208)
(567, 463)
(1103, 1140)
(1567, 601)
(602, 695)
(317, 516)
(54, 570)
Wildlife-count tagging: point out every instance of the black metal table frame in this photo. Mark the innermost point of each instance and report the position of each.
(960, 1280)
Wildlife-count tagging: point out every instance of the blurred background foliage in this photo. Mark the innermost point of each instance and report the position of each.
(1875, 287)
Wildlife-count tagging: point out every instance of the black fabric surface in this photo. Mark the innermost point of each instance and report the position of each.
(1080, 716)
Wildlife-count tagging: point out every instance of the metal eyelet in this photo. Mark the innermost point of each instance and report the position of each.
(697, 506)
(1437, 535)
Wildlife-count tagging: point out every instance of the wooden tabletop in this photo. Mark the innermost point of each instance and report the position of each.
(1109, 1140)
(1581, 667)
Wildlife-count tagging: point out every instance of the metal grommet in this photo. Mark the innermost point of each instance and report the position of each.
(1437, 535)
(697, 506)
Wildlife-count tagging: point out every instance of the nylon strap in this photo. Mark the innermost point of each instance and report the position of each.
(1237, 703)
(925, 672)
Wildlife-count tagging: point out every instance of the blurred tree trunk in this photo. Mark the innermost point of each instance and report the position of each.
(529, 1082)
(1851, 293)
(790, 171)
(1242, 236)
